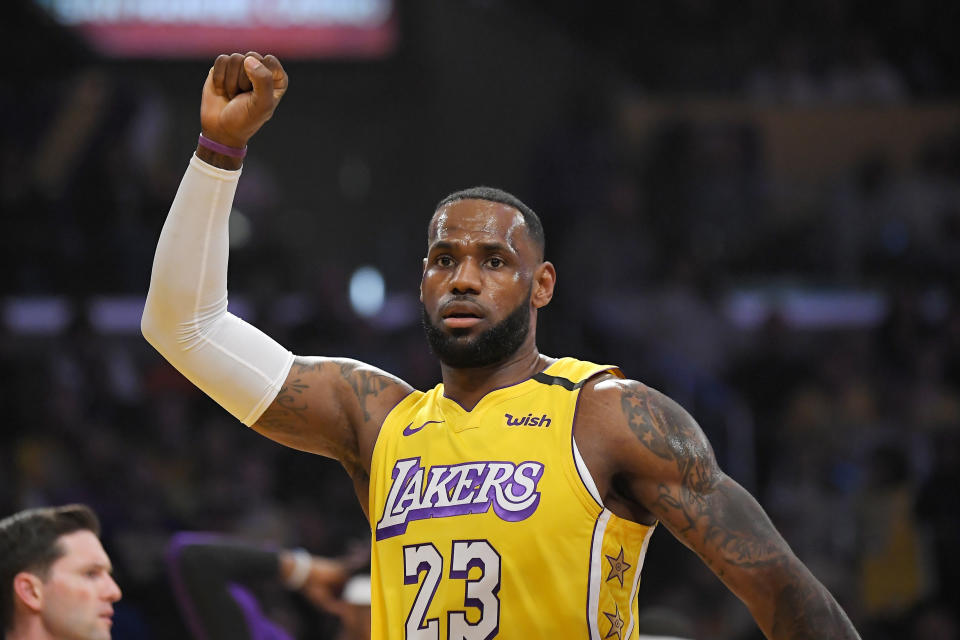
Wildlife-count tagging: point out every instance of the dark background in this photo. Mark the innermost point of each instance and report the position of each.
(754, 207)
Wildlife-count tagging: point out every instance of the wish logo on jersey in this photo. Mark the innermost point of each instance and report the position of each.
(529, 420)
(445, 491)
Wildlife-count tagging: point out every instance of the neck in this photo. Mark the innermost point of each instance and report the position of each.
(466, 386)
(31, 629)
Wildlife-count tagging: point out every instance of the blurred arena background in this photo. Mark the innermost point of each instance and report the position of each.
(752, 206)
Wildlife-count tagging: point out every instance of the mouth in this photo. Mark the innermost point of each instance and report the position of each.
(461, 315)
(461, 321)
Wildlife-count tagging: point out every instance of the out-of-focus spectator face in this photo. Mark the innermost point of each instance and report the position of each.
(77, 596)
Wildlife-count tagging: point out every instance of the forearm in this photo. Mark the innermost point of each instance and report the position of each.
(798, 607)
(715, 517)
(740, 544)
(736, 539)
(185, 317)
(190, 265)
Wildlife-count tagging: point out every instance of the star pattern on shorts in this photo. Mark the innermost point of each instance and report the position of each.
(618, 567)
(616, 622)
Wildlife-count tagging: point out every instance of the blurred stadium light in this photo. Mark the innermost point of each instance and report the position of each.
(180, 28)
(367, 291)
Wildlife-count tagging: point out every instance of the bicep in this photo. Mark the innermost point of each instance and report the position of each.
(672, 471)
(331, 406)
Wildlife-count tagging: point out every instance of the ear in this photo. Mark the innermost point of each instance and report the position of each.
(423, 273)
(544, 280)
(28, 589)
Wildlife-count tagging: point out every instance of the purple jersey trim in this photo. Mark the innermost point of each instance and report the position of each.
(261, 628)
(177, 544)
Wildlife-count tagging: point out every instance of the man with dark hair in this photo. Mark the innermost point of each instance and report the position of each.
(514, 500)
(55, 577)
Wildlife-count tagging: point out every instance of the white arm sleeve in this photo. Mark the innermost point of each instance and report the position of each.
(186, 318)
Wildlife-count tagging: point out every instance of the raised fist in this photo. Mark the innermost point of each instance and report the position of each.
(240, 94)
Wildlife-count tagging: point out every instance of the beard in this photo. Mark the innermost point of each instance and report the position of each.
(494, 345)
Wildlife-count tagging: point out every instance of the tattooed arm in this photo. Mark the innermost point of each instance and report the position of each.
(660, 464)
(333, 407)
(330, 407)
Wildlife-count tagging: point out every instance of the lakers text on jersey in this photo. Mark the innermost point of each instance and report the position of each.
(485, 523)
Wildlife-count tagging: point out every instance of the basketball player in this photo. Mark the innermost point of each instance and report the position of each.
(514, 500)
(55, 581)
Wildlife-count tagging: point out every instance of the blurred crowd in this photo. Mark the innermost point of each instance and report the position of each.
(847, 432)
(789, 51)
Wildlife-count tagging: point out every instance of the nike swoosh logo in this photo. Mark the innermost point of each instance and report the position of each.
(407, 431)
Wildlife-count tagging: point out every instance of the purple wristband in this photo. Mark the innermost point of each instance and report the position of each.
(233, 152)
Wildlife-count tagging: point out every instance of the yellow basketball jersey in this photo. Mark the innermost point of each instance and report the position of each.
(486, 524)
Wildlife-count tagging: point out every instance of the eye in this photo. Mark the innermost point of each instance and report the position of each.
(444, 261)
(495, 262)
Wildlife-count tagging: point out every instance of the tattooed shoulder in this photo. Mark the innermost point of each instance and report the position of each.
(663, 426)
(697, 501)
(309, 404)
(367, 383)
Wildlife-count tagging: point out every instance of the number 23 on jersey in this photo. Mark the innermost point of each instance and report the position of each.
(424, 565)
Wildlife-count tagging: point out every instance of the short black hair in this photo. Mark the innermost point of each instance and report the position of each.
(29, 542)
(493, 194)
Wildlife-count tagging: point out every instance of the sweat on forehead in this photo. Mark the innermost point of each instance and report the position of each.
(493, 195)
(478, 216)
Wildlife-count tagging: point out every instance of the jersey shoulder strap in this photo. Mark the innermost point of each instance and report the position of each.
(572, 374)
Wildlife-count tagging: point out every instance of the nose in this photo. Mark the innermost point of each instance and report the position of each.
(466, 278)
(112, 592)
